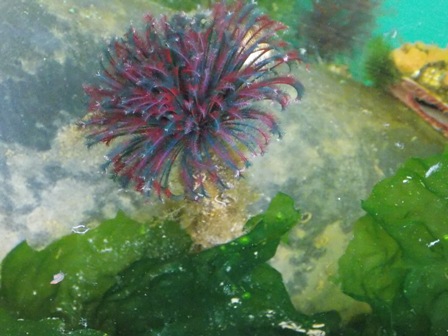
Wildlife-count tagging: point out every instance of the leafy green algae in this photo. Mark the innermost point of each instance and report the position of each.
(90, 264)
(45, 327)
(127, 278)
(398, 259)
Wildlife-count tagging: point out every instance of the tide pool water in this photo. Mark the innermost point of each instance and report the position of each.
(414, 20)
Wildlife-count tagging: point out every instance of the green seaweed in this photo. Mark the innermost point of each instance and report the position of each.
(127, 278)
(379, 67)
(398, 259)
(46, 327)
(90, 263)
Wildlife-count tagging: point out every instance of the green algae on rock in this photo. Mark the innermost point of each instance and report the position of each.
(379, 66)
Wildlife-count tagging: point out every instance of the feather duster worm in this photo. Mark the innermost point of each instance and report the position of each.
(182, 97)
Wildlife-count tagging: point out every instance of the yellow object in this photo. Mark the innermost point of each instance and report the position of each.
(411, 57)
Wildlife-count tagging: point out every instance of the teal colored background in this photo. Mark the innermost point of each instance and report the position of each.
(415, 20)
